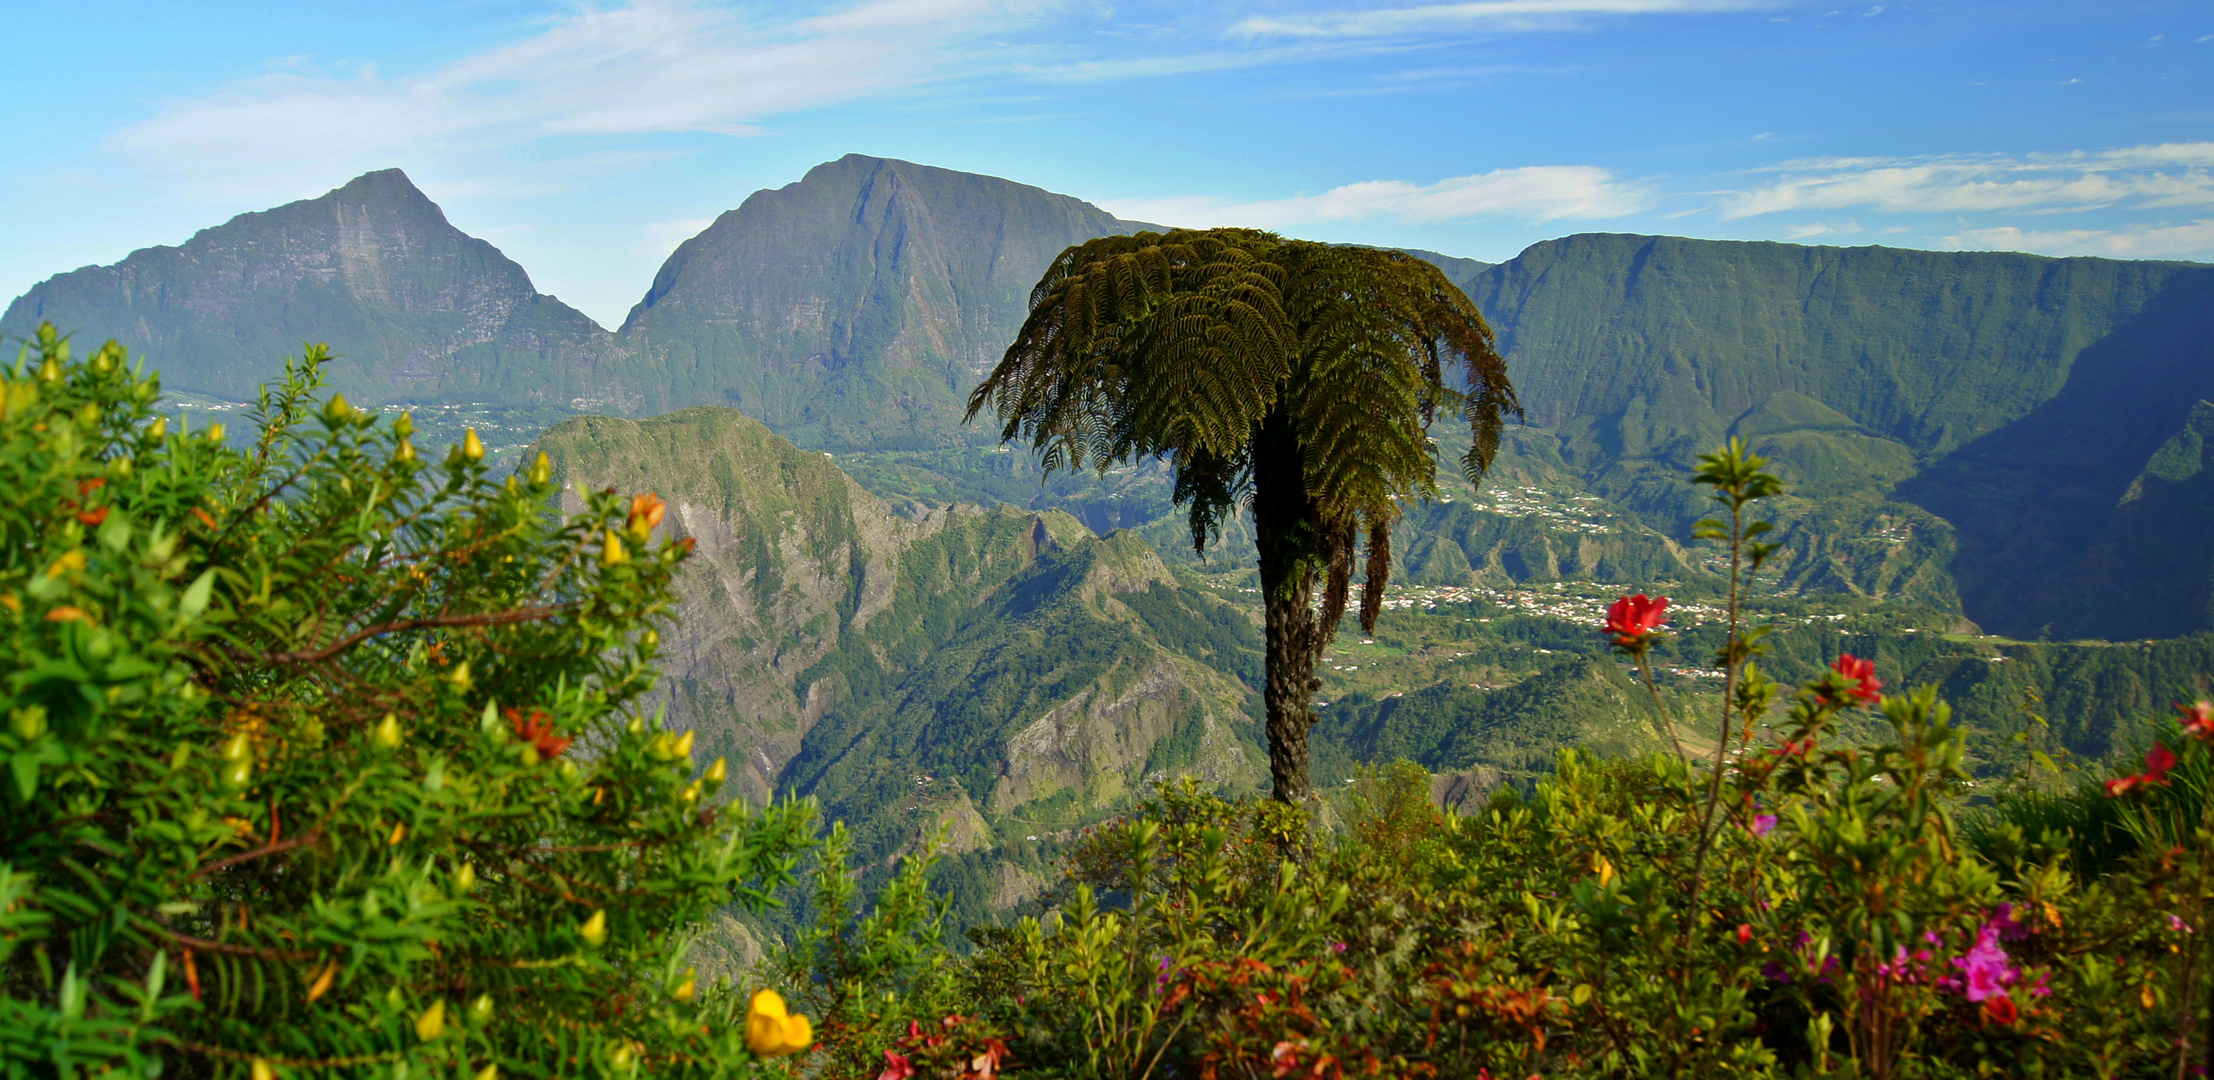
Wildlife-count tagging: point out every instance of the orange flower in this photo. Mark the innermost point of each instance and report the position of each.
(94, 516)
(645, 513)
(2000, 1010)
(538, 731)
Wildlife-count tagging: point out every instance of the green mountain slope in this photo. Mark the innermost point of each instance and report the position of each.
(1942, 417)
(416, 309)
(996, 673)
(856, 307)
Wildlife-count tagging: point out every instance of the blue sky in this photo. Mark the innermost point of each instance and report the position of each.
(588, 140)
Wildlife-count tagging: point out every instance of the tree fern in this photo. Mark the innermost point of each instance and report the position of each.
(1295, 379)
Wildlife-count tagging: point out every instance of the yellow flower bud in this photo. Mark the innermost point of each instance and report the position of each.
(480, 1010)
(465, 879)
(541, 471)
(386, 735)
(771, 1032)
(489, 1072)
(322, 983)
(471, 446)
(262, 1071)
(399, 833)
(237, 775)
(158, 430)
(718, 772)
(432, 1023)
(215, 433)
(594, 930)
(689, 988)
(611, 552)
(459, 677)
(336, 410)
(691, 792)
(239, 748)
(683, 746)
(404, 452)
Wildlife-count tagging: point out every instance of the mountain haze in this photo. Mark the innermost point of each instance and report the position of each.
(416, 309)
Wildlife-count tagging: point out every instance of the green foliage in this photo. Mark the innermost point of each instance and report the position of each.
(323, 757)
(1294, 378)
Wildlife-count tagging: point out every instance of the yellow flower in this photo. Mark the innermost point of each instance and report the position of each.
(595, 929)
(471, 446)
(771, 1032)
(432, 1023)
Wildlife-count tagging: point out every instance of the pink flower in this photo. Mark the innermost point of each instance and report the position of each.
(1633, 621)
(1986, 968)
(896, 1067)
(1763, 824)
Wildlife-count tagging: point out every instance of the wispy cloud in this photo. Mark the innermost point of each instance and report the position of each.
(643, 67)
(1480, 15)
(2154, 176)
(2192, 240)
(1538, 193)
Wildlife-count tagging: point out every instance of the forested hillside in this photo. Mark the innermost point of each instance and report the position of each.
(994, 673)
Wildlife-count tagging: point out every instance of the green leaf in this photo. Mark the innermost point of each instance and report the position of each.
(196, 595)
(25, 767)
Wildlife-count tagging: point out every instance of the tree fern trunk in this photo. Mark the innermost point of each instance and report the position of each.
(1286, 529)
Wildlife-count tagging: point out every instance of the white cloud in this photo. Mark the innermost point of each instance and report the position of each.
(1476, 15)
(646, 66)
(1813, 229)
(2154, 176)
(2192, 240)
(1539, 192)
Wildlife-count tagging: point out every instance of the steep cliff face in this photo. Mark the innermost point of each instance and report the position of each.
(416, 309)
(931, 667)
(1956, 428)
(856, 307)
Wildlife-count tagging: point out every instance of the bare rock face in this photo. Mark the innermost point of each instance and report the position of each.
(931, 676)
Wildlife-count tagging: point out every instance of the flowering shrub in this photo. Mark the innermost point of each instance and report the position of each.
(323, 757)
(1800, 904)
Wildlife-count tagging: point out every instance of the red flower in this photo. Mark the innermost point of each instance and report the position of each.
(1744, 933)
(1633, 621)
(2000, 1009)
(1862, 674)
(2122, 785)
(2198, 720)
(538, 731)
(2158, 761)
(895, 1067)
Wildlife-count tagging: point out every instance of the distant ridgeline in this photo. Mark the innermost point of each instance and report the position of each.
(914, 629)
